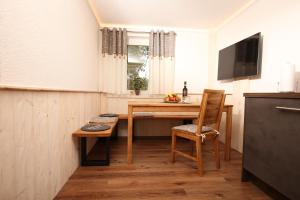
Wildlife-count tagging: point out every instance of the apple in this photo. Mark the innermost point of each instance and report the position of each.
(172, 97)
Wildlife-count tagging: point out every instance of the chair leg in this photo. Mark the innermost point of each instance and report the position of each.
(199, 155)
(217, 152)
(173, 147)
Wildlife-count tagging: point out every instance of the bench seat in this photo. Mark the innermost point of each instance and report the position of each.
(106, 133)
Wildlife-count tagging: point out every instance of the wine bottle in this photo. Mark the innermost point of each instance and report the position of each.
(184, 91)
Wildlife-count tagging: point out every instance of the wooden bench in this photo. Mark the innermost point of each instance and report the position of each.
(106, 135)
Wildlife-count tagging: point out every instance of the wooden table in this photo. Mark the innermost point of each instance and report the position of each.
(83, 135)
(134, 106)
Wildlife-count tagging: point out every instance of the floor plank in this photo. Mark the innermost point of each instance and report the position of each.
(153, 176)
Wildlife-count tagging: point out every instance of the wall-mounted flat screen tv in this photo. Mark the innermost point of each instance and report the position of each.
(242, 59)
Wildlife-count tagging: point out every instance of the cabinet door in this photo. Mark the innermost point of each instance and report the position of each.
(272, 143)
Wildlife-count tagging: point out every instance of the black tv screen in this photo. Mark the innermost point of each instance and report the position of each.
(242, 59)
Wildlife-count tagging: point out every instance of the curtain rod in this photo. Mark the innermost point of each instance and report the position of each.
(134, 31)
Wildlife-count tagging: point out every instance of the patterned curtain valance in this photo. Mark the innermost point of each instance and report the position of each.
(162, 44)
(114, 41)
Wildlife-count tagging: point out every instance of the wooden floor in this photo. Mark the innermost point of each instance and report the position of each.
(153, 176)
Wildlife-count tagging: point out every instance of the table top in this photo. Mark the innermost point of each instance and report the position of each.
(149, 103)
(163, 104)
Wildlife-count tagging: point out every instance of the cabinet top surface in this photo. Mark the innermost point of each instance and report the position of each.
(291, 95)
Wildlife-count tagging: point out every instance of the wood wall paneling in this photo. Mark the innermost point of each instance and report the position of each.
(37, 152)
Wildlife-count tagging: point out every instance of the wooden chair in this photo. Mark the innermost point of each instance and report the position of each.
(206, 128)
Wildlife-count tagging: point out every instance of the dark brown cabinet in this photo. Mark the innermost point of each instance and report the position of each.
(271, 151)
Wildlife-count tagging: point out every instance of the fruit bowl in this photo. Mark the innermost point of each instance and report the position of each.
(172, 98)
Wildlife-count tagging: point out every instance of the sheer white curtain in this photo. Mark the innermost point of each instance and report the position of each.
(113, 74)
(113, 62)
(162, 62)
(161, 75)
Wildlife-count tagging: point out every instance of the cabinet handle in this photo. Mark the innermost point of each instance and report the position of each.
(287, 108)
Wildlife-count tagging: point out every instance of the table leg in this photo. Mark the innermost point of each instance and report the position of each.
(228, 133)
(129, 136)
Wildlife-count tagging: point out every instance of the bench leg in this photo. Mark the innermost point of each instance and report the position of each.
(83, 152)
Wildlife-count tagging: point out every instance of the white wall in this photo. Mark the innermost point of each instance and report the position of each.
(191, 62)
(48, 44)
(278, 21)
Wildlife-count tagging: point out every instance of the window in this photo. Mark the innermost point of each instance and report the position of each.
(137, 66)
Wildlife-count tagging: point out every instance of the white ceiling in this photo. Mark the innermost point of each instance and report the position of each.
(167, 13)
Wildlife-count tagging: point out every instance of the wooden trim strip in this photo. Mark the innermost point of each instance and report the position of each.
(92, 5)
(36, 89)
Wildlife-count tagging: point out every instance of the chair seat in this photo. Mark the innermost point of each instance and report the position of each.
(192, 128)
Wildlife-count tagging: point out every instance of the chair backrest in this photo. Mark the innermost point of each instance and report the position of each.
(211, 109)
